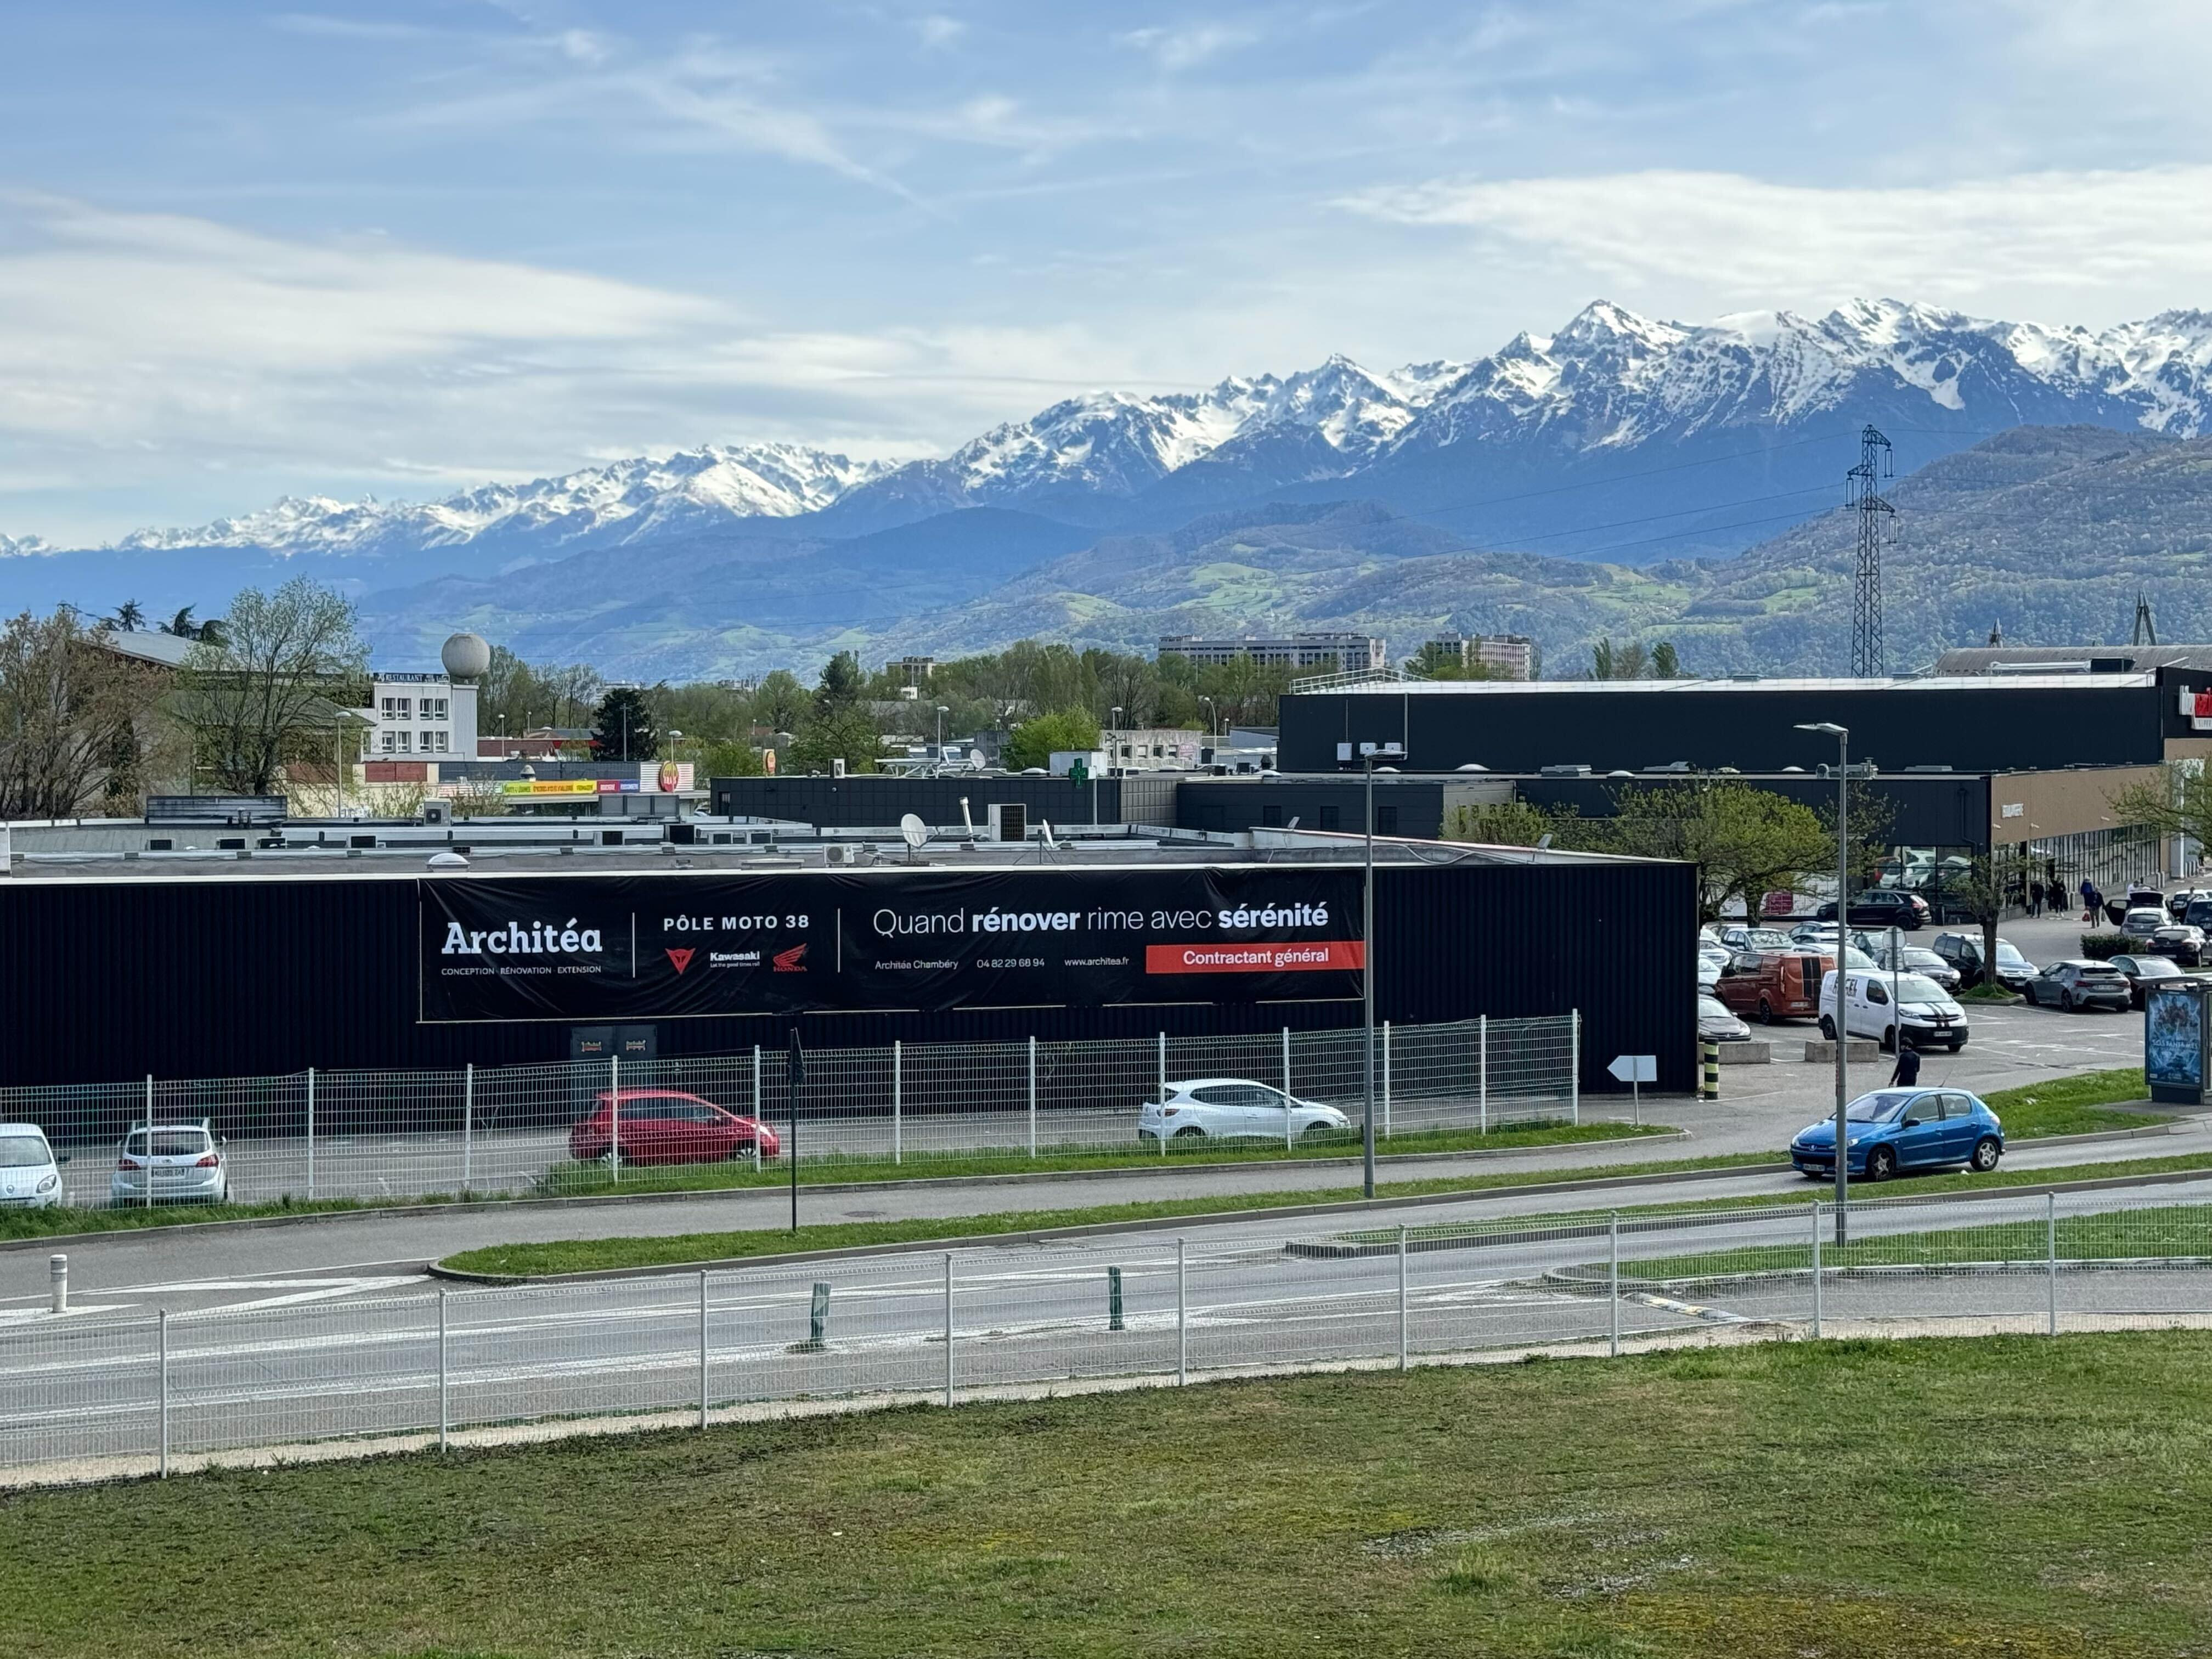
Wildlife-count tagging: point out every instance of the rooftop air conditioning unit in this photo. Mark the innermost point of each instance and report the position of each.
(1009, 820)
(1562, 771)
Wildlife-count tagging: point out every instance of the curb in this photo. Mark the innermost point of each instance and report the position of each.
(1100, 1228)
(531, 1206)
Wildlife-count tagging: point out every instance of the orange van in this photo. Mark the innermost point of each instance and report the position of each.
(1771, 985)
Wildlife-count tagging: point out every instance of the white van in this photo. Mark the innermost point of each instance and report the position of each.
(1930, 1017)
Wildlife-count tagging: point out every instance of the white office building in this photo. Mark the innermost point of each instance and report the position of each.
(1325, 652)
(1507, 656)
(414, 715)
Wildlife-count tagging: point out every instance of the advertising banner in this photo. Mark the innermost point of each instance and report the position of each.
(677, 947)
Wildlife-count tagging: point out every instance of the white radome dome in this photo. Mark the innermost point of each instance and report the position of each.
(466, 656)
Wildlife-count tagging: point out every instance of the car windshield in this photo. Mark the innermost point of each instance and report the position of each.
(2010, 958)
(1882, 1106)
(169, 1143)
(24, 1152)
(2098, 971)
(1766, 939)
(1921, 956)
(1855, 957)
(2144, 918)
(1915, 988)
(1713, 1008)
(2155, 967)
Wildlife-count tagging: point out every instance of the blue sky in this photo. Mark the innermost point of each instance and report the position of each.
(401, 248)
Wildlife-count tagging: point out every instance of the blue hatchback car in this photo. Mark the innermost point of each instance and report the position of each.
(1894, 1129)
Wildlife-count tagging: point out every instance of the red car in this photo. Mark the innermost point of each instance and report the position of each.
(663, 1126)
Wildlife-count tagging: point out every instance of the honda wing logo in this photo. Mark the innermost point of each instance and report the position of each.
(680, 960)
(792, 960)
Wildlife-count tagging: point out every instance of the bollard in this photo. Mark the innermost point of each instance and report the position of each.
(1114, 1300)
(1709, 1088)
(58, 1276)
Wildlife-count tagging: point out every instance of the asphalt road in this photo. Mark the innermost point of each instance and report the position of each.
(291, 1369)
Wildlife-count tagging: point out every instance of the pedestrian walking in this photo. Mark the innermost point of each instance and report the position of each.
(2091, 898)
(2035, 897)
(1907, 1074)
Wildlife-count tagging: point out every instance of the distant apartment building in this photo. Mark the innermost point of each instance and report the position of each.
(1507, 656)
(913, 671)
(417, 714)
(1342, 654)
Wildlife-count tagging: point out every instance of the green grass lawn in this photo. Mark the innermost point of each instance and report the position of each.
(569, 1179)
(594, 1255)
(2004, 1498)
(2070, 1105)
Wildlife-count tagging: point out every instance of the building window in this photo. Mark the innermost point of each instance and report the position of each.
(434, 708)
(1328, 817)
(396, 708)
(403, 737)
(1271, 818)
(1386, 820)
(387, 742)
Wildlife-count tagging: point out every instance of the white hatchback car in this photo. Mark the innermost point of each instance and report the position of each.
(30, 1174)
(187, 1166)
(1235, 1108)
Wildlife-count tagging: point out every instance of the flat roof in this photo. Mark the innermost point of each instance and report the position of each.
(1988, 683)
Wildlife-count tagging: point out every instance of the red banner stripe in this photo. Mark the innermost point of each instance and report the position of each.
(1260, 957)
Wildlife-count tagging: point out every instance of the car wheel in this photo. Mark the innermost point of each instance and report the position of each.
(1316, 1131)
(2073, 1003)
(1888, 1044)
(1881, 1164)
(1828, 1028)
(1765, 1011)
(1188, 1130)
(1986, 1154)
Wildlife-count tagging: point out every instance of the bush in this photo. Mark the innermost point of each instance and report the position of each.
(2103, 947)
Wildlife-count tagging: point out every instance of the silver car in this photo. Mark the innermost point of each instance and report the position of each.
(186, 1164)
(1235, 1108)
(30, 1174)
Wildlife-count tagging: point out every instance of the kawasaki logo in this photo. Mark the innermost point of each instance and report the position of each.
(792, 960)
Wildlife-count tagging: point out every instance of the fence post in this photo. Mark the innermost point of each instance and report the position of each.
(1482, 1051)
(443, 1414)
(702, 1347)
(1182, 1325)
(948, 1328)
(756, 1107)
(468, 1127)
(311, 1136)
(1032, 1097)
(898, 1085)
(161, 1328)
(1163, 1093)
(1613, 1281)
(1401, 1296)
(614, 1117)
(1287, 1140)
(1816, 1269)
(149, 1141)
(1385, 1080)
(1114, 1321)
(2050, 1257)
(1575, 1068)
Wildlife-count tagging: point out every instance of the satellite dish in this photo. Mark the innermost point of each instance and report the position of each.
(975, 761)
(913, 831)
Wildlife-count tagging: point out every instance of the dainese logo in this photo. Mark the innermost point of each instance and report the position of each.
(680, 960)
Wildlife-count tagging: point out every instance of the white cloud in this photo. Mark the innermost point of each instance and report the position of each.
(159, 349)
(1735, 237)
(1178, 49)
(939, 31)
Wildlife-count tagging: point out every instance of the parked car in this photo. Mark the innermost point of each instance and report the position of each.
(30, 1174)
(2140, 971)
(1773, 985)
(1880, 907)
(667, 1126)
(1893, 1129)
(185, 1163)
(2180, 941)
(1708, 971)
(1918, 959)
(1235, 1108)
(2179, 900)
(1716, 1024)
(2139, 925)
(2199, 913)
(1740, 937)
(1922, 1009)
(2077, 983)
(1964, 952)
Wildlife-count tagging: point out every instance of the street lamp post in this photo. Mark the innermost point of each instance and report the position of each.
(1843, 736)
(1212, 716)
(1369, 754)
(1113, 740)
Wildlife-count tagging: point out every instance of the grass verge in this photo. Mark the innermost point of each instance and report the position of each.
(2071, 1105)
(571, 1256)
(569, 1179)
(2005, 1501)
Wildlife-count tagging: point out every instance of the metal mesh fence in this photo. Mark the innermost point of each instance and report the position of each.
(525, 1130)
(103, 1393)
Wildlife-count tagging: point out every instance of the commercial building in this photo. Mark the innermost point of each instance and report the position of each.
(276, 958)
(1505, 656)
(1327, 652)
(419, 714)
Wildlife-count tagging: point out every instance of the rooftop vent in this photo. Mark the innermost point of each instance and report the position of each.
(1562, 771)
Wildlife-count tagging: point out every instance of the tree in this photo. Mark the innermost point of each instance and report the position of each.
(1983, 890)
(1032, 742)
(1744, 840)
(1504, 823)
(2176, 802)
(1609, 661)
(780, 704)
(181, 626)
(261, 691)
(1665, 666)
(129, 616)
(623, 727)
(842, 684)
(847, 735)
(69, 713)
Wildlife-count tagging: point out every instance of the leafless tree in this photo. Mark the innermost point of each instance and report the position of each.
(70, 718)
(263, 694)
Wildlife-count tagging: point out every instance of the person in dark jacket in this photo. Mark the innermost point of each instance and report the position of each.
(1907, 1074)
(2035, 897)
(2091, 900)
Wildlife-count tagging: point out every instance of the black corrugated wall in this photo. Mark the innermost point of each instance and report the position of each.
(107, 982)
